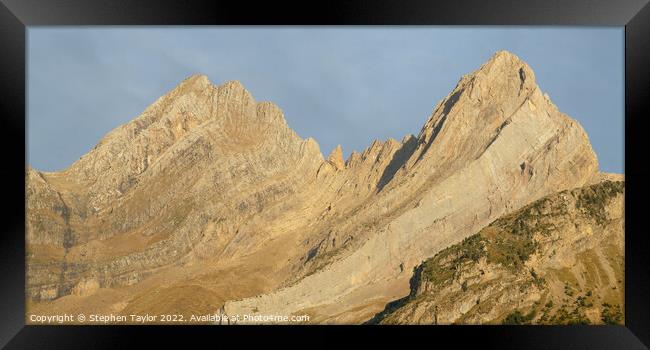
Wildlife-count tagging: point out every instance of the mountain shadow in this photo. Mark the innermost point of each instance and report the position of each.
(399, 158)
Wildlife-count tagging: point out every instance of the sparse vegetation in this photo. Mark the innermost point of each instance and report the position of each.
(511, 240)
(444, 265)
(582, 301)
(546, 312)
(592, 200)
(517, 318)
(569, 317)
(512, 246)
(575, 313)
(611, 314)
(537, 280)
(567, 289)
(222, 205)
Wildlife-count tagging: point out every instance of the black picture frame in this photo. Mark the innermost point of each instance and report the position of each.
(16, 15)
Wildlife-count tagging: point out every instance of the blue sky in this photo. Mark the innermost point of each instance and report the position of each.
(339, 85)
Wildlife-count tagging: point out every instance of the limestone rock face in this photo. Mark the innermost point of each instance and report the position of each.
(179, 181)
(211, 192)
(558, 260)
(493, 145)
(336, 158)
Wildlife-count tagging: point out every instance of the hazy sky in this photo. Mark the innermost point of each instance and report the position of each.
(340, 85)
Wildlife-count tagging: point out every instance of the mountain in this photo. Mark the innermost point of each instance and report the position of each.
(209, 193)
(558, 260)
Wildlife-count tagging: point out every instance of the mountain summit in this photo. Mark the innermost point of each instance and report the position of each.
(209, 201)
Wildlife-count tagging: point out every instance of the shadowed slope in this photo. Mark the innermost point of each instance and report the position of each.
(208, 184)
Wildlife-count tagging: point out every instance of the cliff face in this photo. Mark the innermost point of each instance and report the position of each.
(558, 260)
(180, 181)
(210, 190)
(494, 144)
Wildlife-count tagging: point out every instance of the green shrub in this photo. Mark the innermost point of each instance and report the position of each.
(611, 314)
(517, 318)
(593, 199)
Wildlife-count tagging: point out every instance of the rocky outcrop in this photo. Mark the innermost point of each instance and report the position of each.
(208, 182)
(493, 145)
(182, 179)
(558, 260)
(336, 158)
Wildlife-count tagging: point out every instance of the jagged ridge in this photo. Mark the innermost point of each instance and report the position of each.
(207, 180)
(558, 260)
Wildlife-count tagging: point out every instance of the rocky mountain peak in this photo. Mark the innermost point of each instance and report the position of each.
(336, 158)
(208, 186)
(201, 82)
(503, 76)
(195, 112)
(196, 81)
(197, 84)
(484, 102)
(234, 87)
(506, 62)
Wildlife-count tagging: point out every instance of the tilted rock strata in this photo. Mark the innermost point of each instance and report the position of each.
(494, 144)
(336, 158)
(556, 261)
(206, 169)
(208, 177)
